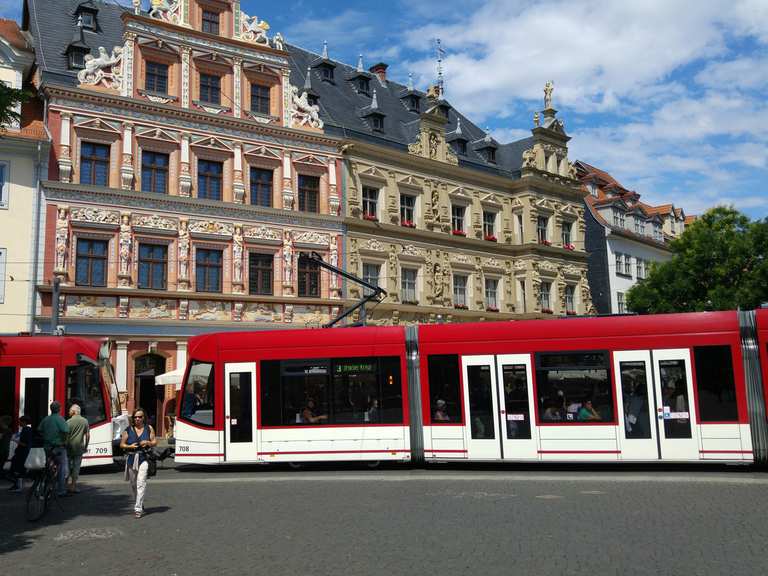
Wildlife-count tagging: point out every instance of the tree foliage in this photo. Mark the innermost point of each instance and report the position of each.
(720, 262)
(9, 99)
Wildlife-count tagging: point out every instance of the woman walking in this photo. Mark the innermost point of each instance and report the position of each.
(136, 439)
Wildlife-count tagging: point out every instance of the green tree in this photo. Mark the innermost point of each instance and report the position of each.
(9, 98)
(720, 262)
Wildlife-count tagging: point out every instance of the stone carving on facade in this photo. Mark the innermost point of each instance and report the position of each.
(302, 112)
(278, 42)
(260, 312)
(104, 69)
(334, 261)
(183, 309)
(183, 249)
(288, 315)
(237, 257)
(166, 10)
(263, 233)
(62, 240)
(374, 245)
(438, 283)
(209, 310)
(529, 158)
(546, 266)
(122, 307)
(311, 237)
(94, 216)
(411, 250)
(392, 262)
(211, 227)
(151, 308)
(253, 29)
(310, 316)
(124, 251)
(237, 311)
(460, 258)
(91, 306)
(536, 119)
(548, 88)
(154, 222)
(287, 258)
(434, 145)
(435, 204)
(586, 294)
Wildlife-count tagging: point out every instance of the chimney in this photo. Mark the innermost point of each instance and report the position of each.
(380, 70)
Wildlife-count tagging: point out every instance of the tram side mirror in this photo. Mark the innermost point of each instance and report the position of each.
(84, 359)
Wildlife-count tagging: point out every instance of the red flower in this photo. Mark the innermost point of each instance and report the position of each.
(460, 306)
(491, 238)
(546, 311)
(491, 309)
(571, 312)
(407, 224)
(370, 217)
(459, 233)
(545, 242)
(569, 247)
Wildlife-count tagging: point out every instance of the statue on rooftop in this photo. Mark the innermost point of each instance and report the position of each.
(548, 87)
(254, 30)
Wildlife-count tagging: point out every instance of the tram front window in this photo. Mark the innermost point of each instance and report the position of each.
(198, 399)
(84, 389)
(674, 399)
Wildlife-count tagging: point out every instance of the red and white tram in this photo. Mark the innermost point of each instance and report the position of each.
(35, 370)
(672, 388)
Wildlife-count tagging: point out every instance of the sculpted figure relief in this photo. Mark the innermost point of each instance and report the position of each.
(183, 250)
(103, 69)
(167, 10)
(237, 255)
(287, 258)
(302, 111)
(434, 145)
(125, 244)
(278, 42)
(62, 238)
(254, 30)
(548, 87)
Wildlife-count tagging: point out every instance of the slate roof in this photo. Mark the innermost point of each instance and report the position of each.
(53, 24)
(12, 34)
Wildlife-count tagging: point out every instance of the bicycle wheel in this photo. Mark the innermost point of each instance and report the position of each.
(36, 499)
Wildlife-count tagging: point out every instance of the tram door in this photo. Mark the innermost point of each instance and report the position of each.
(638, 428)
(35, 393)
(240, 412)
(518, 435)
(481, 407)
(675, 406)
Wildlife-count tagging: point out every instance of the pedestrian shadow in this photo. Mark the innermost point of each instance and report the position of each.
(156, 510)
(17, 533)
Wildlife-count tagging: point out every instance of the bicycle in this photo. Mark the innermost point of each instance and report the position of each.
(43, 490)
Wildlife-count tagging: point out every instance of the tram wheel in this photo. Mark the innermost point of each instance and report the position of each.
(373, 464)
(296, 465)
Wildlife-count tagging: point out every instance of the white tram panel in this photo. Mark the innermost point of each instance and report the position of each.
(100, 446)
(746, 443)
(445, 442)
(198, 446)
(721, 442)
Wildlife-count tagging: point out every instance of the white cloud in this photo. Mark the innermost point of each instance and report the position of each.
(739, 73)
(348, 29)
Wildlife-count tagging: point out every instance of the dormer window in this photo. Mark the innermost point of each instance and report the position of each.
(313, 99)
(444, 110)
(413, 103)
(77, 58)
(490, 155)
(364, 86)
(89, 19)
(460, 147)
(377, 123)
(85, 13)
(210, 22)
(326, 73)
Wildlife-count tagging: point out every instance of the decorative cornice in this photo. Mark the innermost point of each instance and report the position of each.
(124, 108)
(179, 205)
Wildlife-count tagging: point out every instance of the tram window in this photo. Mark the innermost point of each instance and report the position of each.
(331, 391)
(444, 389)
(716, 386)
(36, 399)
(674, 399)
(574, 387)
(516, 401)
(198, 401)
(7, 388)
(84, 389)
(634, 393)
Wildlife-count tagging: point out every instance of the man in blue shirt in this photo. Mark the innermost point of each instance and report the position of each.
(55, 432)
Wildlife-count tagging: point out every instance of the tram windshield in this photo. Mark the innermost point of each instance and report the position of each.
(84, 388)
(197, 400)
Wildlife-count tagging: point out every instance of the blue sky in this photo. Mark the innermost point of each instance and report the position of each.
(669, 96)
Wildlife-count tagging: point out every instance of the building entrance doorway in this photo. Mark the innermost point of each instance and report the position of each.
(146, 367)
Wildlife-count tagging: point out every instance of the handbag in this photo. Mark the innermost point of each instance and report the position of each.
(35, 459)
(151, 463)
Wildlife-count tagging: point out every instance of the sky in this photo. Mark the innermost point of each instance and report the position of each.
(669, 96)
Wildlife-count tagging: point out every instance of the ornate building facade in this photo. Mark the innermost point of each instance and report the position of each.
(187, 178)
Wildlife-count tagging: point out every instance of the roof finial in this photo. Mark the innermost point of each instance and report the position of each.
(410, 81)
(458, 125)
(137, 7)
(325, 50)
(488, 134)
(548, 87)
(360, 63)
(440, 79)
(80, 21)
(308, 80)
(374, 101)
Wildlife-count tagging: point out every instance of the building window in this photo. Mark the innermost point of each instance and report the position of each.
(407, 210)
(87, 18)
(570, 304)
(210, 89)
(460, 147)
(153, 266)
(208, 270)
(371, 276)
(542, 223)
(4, 168)
(457, 219)
(210, 22)
(77, 58)
(715, 384)
(260, 99)
(627, 265)
(640, 268)
(618, 218)
(370, 203)
(619, 263)
(491, 155)
(3, 258)
(489, 225)
(91, 263)
(523, 296)
(154, 172)
(377, 123)
(309, 278)
(460, 291)
(574, 387)
(309, 193)
(544, 300)
(260, 273)
(364, 86)
(157, 78)
(94, 164)
(492, 294)
(520, 229)
(326, 73)
(621, 305)
(657, 233)
(408, 286)
(261, 187)
(566, 235)
(209, 179)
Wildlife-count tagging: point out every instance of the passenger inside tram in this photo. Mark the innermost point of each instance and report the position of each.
(552, 412)
(587, 413)
(441, 412)
(308, 415)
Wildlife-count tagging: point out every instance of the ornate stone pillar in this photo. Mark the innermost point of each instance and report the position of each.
(333, 249)
(126, 166)
(238, 72)
(287, 98)
(185, 73)
(124, 251)
(238, 186)
(237, 26)
(181, 354)
(288, 196)
(126, 88)
(333, 195)
(184, 256)
(237, 260)
(65, 157)
(62, 243)
(185, 176)
(287, 263)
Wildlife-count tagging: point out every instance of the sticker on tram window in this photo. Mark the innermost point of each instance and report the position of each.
(678, 416)
(355, 368)
(516, 417)
(234, 421)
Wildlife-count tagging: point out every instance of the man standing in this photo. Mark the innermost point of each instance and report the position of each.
(77, 444)
(55, 431)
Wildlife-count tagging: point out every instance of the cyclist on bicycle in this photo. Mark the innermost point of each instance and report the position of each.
(55, 432)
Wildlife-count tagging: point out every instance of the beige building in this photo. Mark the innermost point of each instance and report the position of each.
(23, 159)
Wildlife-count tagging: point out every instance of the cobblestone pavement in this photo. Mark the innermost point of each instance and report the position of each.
(399, 521)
